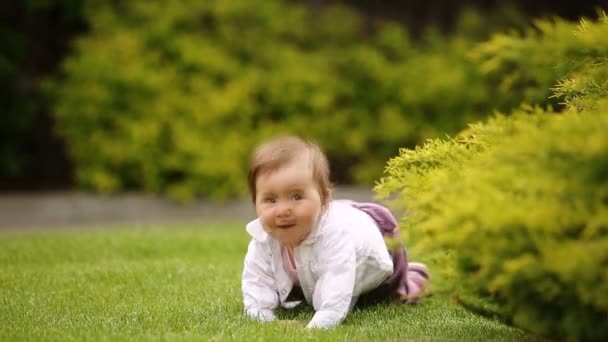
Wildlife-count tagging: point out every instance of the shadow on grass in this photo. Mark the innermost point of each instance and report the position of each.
(302, 311)
(306, 311)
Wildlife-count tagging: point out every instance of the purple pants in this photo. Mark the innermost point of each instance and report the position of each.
(408, 280)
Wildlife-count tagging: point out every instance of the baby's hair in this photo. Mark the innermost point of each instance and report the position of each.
(278, 152)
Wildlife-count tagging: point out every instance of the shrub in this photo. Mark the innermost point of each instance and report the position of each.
(525, 68)
(171, 97)
(520, 204)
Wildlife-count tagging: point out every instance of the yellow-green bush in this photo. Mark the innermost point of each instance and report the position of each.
(170, 97)
(525, 67)
(520, 203)
(523, 205)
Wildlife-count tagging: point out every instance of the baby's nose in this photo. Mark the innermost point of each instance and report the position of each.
(284, 208)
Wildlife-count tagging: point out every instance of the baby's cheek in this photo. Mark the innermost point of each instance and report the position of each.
(267, 229)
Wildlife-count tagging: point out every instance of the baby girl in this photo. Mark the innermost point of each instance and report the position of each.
(305, 246)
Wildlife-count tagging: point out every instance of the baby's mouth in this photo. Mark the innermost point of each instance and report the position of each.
(286, 225)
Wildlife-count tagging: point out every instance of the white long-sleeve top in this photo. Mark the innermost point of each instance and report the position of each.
(343, 257)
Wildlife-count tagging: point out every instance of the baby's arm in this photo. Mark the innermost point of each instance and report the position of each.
(333, 292)
(259, 296)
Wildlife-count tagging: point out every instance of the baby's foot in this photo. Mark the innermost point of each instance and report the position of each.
(417, 279)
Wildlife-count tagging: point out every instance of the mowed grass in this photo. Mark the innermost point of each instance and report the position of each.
(178, 283)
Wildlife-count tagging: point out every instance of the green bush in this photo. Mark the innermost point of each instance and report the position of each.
(525, 67)
(170, 97)
(520, 204)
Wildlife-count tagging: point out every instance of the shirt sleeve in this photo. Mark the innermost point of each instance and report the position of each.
(259, 295)
(333, 291)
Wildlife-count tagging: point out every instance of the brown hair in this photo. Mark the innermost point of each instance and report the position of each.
(278, 152)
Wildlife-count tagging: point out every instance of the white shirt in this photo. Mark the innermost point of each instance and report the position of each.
(343, 257)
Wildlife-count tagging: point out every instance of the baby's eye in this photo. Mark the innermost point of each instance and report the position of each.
(296, 196)
(268, 200)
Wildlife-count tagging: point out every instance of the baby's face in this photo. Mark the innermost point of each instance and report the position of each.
(288, 202)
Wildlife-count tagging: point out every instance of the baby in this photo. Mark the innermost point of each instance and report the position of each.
(305, 246)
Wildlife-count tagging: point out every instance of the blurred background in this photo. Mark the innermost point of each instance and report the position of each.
(170, 97)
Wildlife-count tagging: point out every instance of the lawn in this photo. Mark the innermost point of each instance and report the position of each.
(178, 283)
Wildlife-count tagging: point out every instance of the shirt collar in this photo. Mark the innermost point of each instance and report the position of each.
(256, 230)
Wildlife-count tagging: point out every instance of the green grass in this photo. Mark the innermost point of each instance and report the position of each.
(178, 283)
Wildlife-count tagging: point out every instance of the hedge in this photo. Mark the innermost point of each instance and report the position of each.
(528, 66)
(170, 97)
(520, 203)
